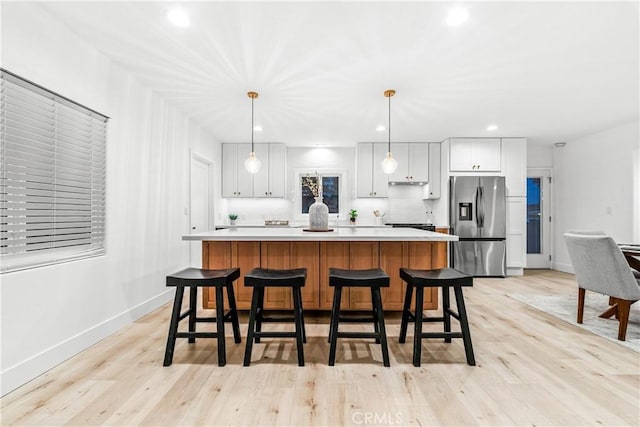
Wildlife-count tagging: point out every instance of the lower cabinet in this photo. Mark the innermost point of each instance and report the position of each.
(318, 257)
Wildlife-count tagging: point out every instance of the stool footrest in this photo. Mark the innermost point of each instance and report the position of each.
(274, 334)
(197, 335)
(276, 319)
(358, 335)
(441, 335)
(359, 319)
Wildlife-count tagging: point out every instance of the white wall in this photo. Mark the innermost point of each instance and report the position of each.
(51, 313)
(595, 187)
(539, 156)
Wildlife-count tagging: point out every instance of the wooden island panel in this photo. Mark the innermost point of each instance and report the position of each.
(317, 257)
(336, 255)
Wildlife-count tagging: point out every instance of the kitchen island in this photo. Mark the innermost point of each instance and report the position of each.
(349, 247)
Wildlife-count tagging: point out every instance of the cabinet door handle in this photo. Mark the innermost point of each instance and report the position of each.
(374, 193)
(269, 192)
(266, 193)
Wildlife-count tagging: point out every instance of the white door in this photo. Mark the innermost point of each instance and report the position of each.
(539, 218)
(200, 205)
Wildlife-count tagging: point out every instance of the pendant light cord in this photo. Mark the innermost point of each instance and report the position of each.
(389, 150)
(252, 99)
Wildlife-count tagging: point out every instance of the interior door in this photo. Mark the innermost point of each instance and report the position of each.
(199, 206)
(539, 218)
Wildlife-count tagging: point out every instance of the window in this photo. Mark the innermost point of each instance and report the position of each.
(52, 177)
(330, 194)
(333, 190)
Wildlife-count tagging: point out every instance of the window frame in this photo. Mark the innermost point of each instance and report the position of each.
(341, 173)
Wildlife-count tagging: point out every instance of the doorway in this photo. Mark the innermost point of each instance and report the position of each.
(539, 218)
(200, 204)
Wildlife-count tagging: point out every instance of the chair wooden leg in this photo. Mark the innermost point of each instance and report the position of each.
(581, 293)
(623, 311)
(613, 310)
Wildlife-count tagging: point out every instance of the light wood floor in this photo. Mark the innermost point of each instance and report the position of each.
(532, 370)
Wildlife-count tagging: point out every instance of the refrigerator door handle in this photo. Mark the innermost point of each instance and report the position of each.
(480, 207)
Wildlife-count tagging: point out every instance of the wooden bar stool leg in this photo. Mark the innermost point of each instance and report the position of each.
(259, 312)
(374, 313)
(297, 311)
(222, 354)
(335, 317)
(304, 331)
(173, 326)
(381, 328)
(193, 298)
(405, 314)
(233, 312)
(333, 308)
(417, 337)
(464, 325)
(252, 322)
(446, 311)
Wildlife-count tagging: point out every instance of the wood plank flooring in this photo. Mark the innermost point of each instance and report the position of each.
(532, 369)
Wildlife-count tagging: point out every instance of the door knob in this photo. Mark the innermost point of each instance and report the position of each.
(193, 228)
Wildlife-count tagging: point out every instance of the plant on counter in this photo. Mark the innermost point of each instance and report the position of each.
(353, 214)
(233, 216)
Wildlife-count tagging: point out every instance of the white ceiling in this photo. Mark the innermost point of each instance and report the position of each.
(549, 71)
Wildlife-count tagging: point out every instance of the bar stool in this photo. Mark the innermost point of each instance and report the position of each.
(373, 279)
(443, 278)
(259, 279)
(195, 278)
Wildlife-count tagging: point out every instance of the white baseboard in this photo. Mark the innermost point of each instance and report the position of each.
(25, 371)
(565, 268)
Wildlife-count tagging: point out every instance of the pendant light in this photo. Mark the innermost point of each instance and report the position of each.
(389, 164)
(252, 164)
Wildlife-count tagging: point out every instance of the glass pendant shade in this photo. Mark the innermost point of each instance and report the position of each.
(252, 163)
(389, 164)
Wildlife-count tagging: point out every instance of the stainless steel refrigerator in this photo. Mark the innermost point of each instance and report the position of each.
(477, 215)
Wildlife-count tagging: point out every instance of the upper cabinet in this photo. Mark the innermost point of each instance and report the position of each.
(432, 189)
(268, 182)
(514, 166)
(413, 162)
(370, 180)
(475, 155)
(236, 181)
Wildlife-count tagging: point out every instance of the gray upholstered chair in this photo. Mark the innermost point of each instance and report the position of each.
(601, 267)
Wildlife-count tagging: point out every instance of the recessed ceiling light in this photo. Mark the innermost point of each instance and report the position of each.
(257, 128)
(491, 128)
(457, 16)
(381, 128)
(178, 17)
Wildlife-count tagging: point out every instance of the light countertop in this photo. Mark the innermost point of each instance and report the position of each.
(362, 234)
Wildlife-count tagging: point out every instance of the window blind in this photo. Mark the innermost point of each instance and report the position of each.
(52, 177)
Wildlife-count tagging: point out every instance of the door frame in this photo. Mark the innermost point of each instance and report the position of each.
(197, 157)
(546, 212)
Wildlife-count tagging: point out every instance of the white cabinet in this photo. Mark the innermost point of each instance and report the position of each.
(236, 181)
(269, 181)
(514, 166)
(413, 162)
(475, 155)
(516, 232)
(370, 180)
(433, 187)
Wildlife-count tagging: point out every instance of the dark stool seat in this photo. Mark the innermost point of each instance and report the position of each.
(193, 278)
(373, 279)
(443, 278)
(259, 279)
